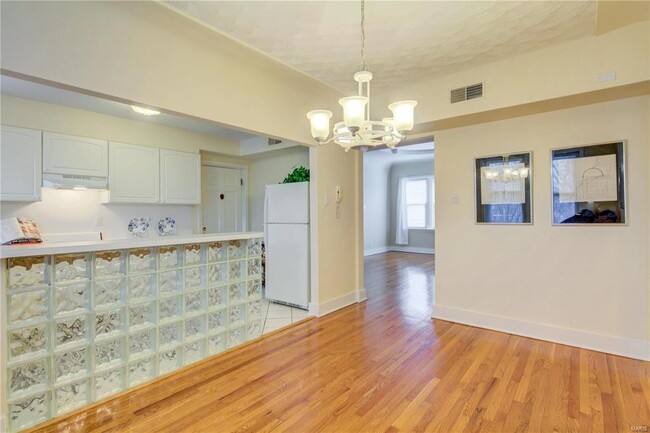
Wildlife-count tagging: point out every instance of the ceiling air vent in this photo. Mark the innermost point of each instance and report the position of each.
(472, 91)
(273, 141)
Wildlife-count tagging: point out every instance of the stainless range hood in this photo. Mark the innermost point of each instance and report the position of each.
(70, 181)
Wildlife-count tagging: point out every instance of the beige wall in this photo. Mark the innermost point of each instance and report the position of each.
(552, 72)
(339, 243)
(594, 279)
(26, 113)
(145, 53)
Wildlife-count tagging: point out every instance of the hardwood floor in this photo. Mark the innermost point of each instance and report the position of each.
(385, 366)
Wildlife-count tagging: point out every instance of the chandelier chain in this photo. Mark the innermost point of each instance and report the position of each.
(363, 35)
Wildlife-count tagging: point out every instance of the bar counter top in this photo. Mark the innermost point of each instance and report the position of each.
(47, 248)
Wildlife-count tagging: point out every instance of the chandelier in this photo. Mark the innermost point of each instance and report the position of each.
(357, 130)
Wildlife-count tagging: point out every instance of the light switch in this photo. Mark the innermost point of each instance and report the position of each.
(327, 200)
(454, 198)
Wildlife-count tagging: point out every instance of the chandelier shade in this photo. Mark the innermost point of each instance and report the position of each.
(357, 129)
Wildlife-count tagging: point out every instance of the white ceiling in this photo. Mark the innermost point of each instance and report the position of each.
(53, 95)
(405, 40)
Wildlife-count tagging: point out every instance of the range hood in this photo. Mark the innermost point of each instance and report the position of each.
(70, 181)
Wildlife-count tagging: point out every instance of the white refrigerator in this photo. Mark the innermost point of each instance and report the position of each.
(286, 234)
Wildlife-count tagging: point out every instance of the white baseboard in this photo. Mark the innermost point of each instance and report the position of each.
(372, 251)
(362, 295)
(412, 249)
(332, 305)
(630, 348)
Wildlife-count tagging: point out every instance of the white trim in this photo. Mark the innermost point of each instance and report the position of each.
(631, 348)
(335, 304)
(412, 250)
(362, 295)
(372, 251)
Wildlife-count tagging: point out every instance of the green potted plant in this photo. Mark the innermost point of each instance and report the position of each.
(299, 174)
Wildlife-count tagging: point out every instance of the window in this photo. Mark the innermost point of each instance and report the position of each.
(420, 202)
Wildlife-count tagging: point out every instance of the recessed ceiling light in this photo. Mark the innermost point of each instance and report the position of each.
(145, 111)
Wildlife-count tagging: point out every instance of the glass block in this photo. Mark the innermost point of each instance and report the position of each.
(168, 257)
(255, 247)
(195, 327)
(28, 377)
(218, 252)
(254, 289)
(141, 260)
(108, 292)
(169, 360)
(71, 396)
(237, 315)
(217, 321)
(195, 277)
(28, 341)
(109, 352)
(217, 343)
(194, 351)
(170, 308)
(141, 287)
(218, 297)
(31, 305)
(253, 330)
(236, 336)
(142, 315)
(109, 382)
(217, 274)
(142, 342)
(142, 370)
(194, 255)
(236, 270)
(71, 267)
(72, 298)
(170, 282)
(195, 302)
(27, 271)
(71, 330)
(254, 267)
(109, 322)
(29, 411)
(254, 310)
(170, 334)
(236, 293)
(109, 264)
(237, 249)
(71, 363)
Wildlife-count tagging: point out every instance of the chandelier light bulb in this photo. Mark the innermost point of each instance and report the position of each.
(403, 114)
(320, 123)
(354, 111)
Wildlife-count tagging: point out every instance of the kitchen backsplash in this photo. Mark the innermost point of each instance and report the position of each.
(71, 213)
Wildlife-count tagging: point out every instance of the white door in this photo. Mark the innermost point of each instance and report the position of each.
(133, 173)
(180, 177)
(222, 199)
(20, 164)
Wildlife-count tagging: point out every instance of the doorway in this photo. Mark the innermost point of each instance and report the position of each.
(222, 199)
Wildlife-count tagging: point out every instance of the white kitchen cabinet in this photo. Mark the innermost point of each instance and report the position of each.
(20, 164)
(180, 177)
(71, 155)
(133, 174)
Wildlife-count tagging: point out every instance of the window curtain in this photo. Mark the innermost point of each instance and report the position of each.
(401, 226)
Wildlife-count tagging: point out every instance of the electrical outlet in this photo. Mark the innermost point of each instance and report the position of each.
(454, 198)
(327, 200)
(606, 76)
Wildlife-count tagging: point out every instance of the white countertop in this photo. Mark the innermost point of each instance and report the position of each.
(46, 248)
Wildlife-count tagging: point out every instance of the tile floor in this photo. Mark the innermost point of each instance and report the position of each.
(278, 316)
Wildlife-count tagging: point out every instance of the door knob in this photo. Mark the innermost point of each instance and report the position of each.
(205, 229)
(221, 196)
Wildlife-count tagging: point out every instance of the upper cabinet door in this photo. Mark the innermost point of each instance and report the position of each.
(67, 154)
(134, 173)
(180, 177)
(20, 164)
